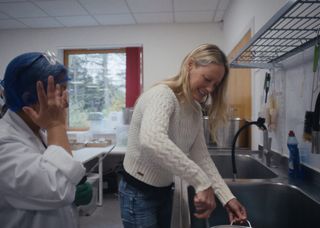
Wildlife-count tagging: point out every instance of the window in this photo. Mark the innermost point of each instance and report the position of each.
(102, 83)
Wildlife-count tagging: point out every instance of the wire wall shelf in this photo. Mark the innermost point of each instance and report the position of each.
(295, 27)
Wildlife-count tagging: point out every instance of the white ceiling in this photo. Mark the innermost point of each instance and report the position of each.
(15, 14)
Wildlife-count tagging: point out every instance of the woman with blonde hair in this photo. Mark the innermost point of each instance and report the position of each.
(166, 145)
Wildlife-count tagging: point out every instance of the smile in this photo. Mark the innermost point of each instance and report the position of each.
(202, 93)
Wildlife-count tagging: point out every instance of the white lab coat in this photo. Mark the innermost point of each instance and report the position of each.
(37, 184)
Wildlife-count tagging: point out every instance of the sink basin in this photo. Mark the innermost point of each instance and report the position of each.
(269, 205)
(247, 167)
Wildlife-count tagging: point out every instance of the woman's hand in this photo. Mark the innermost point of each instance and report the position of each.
(236, 212)
(51, 111)
(204, 202)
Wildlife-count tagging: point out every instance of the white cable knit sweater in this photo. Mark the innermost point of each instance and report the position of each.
(166, 139)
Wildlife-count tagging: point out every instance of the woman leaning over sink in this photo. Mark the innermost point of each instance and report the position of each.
(166, 144)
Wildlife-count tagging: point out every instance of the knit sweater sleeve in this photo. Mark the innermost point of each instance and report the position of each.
(154, 139)
(199, 153)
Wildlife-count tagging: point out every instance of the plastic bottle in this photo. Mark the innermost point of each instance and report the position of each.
(294, 156)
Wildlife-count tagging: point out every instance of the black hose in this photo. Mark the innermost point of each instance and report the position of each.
(260, 123)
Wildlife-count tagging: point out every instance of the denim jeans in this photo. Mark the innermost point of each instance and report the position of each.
(144, 209)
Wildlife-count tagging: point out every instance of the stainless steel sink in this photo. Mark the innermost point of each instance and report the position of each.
(272, 205)
(269, 205)
(247, 167)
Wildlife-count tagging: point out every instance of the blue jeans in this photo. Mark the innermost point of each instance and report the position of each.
(144, 209)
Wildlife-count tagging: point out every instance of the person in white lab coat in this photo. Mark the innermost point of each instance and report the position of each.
(39, 177)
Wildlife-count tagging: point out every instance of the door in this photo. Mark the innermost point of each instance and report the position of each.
(239, 92)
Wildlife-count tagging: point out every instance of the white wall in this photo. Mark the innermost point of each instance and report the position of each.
(291, 85)
(299, 78)
(246, 14)
(164, 46)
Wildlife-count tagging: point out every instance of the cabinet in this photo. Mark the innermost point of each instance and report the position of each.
(295, 27)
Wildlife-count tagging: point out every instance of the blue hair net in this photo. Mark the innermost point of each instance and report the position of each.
(22, 74)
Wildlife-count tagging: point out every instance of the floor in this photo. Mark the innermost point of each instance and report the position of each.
(107, 216)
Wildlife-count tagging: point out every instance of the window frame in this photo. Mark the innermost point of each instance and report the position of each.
(138, 83)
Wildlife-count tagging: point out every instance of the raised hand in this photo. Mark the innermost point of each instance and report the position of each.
(51, 111)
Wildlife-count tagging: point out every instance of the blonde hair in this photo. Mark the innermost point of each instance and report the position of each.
(204, 55)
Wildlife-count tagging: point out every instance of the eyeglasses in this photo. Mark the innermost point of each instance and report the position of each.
(48, 55)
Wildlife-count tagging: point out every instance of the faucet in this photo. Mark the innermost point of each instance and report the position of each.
(266, 148)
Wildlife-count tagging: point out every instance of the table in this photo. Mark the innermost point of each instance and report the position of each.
(119, 150)
(87, 154)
